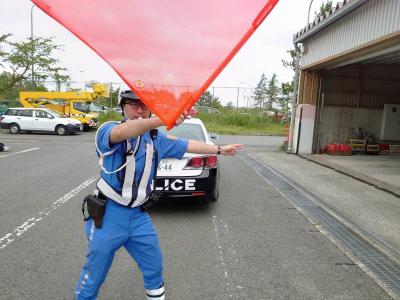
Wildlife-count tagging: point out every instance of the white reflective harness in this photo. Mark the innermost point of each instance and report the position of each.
(132, 195)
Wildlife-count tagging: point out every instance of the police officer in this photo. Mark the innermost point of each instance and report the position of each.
(127, 158)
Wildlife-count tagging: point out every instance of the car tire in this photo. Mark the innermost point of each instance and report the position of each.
(214, 196)
(14, 128)
(61, 130)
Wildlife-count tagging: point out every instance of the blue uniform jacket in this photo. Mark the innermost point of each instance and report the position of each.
(167, 148)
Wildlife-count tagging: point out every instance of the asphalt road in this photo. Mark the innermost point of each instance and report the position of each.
(251, 244)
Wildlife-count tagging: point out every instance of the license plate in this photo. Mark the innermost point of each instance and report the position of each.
(166, 167)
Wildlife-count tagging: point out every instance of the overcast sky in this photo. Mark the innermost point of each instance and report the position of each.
(261, 54)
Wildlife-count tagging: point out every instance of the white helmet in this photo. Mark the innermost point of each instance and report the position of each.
(127, 95)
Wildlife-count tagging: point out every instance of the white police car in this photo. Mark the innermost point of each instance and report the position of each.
(195, 175)
(38, 119)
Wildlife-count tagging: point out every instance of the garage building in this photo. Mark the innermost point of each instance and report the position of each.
(349, 81)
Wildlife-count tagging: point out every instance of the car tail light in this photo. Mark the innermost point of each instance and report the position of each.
(1, 119)
(207, 162)
(210, 161)
(195, 163)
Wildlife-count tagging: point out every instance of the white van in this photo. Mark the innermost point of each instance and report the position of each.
(38, 119)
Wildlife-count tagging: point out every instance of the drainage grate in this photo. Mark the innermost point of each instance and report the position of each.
(357, 243)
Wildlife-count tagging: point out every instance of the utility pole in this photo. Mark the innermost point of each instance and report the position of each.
(309, 11)
(294, 98)
(111, 94)
(33, 65)
(237, 98)
(249, 98)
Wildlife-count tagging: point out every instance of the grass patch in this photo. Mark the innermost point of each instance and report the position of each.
(109, 116)
(227, 121)
(242, 122)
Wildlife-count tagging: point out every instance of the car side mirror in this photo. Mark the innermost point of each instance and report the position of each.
(214, 136)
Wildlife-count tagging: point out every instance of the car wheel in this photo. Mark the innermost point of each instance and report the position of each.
(14, 128)
(214, 196)
(61, 130)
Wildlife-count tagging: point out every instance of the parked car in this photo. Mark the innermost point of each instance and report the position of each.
(38, 119)
(193, 176)
(117, 109)
(98, 108)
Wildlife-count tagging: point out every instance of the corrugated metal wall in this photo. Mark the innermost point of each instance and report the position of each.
(375, 19)
(362, 86)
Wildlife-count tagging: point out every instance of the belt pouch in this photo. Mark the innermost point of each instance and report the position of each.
(96, 208)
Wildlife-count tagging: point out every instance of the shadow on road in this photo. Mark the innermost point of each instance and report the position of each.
(181, 206)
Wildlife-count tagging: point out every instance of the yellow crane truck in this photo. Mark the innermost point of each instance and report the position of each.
(71, 104)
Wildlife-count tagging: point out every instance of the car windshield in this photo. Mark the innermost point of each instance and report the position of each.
(94, 108)
(186, 131)
(55, 114)
(82, 106)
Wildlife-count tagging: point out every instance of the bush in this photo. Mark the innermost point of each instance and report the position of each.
(3, 108)
(109, 116)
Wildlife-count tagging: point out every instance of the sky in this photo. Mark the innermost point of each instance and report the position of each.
(263, 53)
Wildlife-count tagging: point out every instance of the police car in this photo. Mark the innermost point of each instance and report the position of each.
(195, 175)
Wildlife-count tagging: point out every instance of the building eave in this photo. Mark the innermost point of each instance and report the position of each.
(321, 22)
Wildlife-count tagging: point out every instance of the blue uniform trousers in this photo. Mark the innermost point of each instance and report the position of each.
(122, 226)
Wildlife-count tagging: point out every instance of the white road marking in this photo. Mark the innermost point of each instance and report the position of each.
(29, 223)
(12, 141)
(228, 258)
(15, 153)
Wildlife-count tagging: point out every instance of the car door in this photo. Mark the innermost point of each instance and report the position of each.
(25, 119)
(43, 121)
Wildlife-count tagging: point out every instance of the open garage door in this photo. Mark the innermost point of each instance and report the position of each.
(359, 104)
(360, 100)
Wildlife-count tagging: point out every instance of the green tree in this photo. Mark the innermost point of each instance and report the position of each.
(292, 62)
(60, 78)
(325, 7)
(30, 63)
(285, 96)
(287, 89)
(207, 99)
(272, 92)
(260, 92)
(3, 40)
(114, 96)
(5, 91)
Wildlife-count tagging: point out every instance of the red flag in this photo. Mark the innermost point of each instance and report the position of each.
(168, 52)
